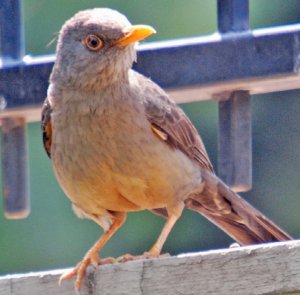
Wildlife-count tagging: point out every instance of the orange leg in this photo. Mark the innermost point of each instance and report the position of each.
(157, 247)
(92, 257)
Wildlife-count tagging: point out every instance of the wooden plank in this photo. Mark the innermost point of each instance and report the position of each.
(261, 269)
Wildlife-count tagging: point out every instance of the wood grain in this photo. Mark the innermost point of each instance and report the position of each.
(262, 269)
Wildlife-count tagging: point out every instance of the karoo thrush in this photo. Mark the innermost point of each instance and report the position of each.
(118, 143)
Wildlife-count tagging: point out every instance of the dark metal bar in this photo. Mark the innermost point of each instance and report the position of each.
(235, 141)
(267, 53)
(11, 33)
(233, 15)
(15, 168)
(13, 144)
(235, 149)
(235, 137)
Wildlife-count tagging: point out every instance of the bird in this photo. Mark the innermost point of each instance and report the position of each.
(118, 143)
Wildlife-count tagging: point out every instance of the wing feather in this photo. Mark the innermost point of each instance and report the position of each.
(171, 124)
(46, 126)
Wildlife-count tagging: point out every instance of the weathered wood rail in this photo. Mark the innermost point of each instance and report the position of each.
(261, 269)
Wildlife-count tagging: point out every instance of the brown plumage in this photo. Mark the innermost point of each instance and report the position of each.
(118, 143)
(234, 215)
(46, 127)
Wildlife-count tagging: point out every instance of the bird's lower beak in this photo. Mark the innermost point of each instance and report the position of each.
(134, 34)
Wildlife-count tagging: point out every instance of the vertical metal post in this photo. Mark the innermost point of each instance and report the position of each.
(235, 134)
(11, 32)
(15, 168)
(233, 15)
(13, 140)
(235, 141)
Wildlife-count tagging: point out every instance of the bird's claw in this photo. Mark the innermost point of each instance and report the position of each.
(80, 269)
(93, 259)
(146, 255)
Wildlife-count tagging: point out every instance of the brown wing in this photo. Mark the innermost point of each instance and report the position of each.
(217, 202)
(46, 126)
(171, 124)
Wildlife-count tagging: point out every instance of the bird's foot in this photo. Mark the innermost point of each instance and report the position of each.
(80, 269)
(147, 255)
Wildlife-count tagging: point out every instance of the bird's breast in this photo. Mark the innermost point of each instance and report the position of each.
(110, 158)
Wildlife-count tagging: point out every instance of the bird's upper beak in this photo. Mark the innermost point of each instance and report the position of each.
(134, 34)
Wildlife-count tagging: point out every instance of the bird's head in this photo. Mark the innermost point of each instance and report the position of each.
(96, 47)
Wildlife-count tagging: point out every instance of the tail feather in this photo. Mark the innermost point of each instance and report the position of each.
(234, 215)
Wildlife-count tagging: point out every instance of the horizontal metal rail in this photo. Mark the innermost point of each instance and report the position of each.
(191, 69)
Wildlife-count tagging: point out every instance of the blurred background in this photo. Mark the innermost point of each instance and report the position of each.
(53, 237)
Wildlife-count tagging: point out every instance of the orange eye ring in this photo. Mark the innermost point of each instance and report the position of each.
(93, 42)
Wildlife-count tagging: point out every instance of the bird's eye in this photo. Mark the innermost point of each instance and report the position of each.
(93, 42)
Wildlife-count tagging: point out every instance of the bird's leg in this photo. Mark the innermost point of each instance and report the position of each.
(157, 247)
(173, 216)
(91, 257)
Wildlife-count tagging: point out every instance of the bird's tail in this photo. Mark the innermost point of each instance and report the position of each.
(232, 214)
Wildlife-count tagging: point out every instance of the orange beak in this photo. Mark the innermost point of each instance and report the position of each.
(134, 34)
